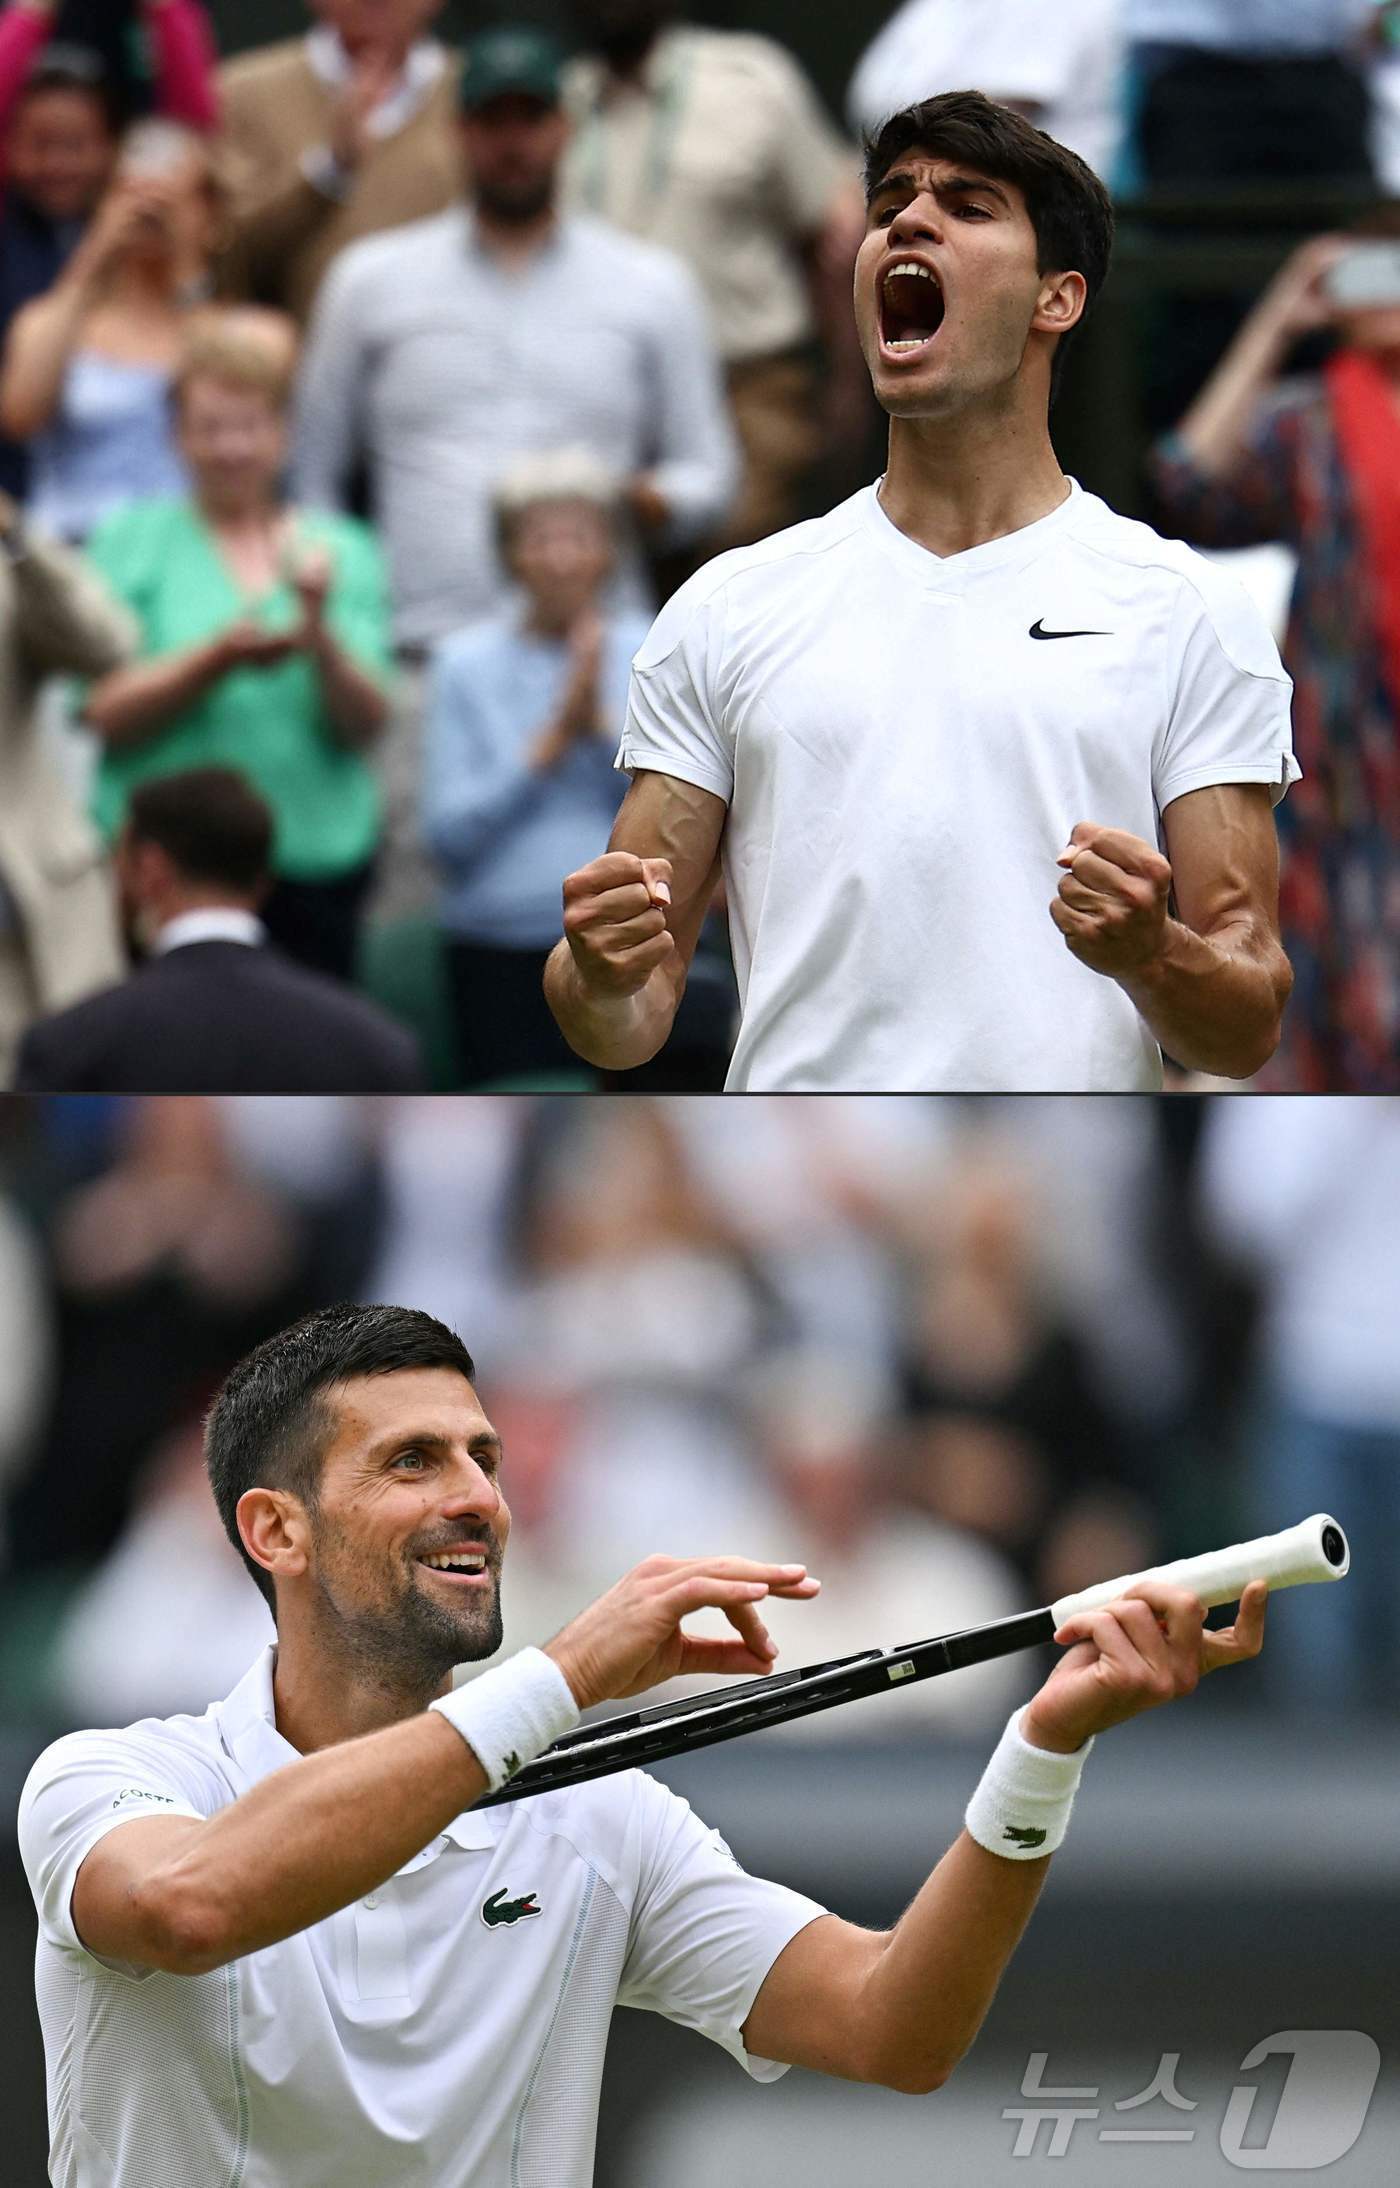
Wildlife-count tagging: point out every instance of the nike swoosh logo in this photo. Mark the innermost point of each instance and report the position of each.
(1038, 630)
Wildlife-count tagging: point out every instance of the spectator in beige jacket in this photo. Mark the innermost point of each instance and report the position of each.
(336, 135)
(59, 938)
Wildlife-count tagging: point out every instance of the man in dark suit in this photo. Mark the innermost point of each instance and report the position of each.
(213, 1009)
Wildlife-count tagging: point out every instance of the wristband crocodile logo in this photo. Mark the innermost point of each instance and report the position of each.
(1023, 1838)
(498, 1909)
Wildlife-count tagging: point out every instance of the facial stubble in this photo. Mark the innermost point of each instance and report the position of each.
(410, 1646)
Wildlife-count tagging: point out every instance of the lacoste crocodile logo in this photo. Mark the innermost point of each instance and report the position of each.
(498, 1909)
(1023, 1838)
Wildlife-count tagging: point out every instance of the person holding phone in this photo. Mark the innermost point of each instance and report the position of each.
(85, 375)
(1313, 459)
(264, 641)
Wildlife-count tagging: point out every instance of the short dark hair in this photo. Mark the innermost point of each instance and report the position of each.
(80, 69)
(267, 1427)
(1069, 208)
(209, 822)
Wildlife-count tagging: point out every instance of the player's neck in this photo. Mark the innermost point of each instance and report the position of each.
(317, 1705)
(955, 484)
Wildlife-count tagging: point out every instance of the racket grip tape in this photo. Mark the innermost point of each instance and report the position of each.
(1316, 1549)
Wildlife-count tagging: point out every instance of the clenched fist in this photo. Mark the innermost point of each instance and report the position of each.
(1112, 904)
(615, 921)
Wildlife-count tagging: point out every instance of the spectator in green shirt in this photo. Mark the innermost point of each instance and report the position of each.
(264, 639)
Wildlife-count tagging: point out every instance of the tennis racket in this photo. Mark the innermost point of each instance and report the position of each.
(1315, 1550)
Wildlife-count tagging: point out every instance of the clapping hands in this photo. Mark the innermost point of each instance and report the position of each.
(310, 571)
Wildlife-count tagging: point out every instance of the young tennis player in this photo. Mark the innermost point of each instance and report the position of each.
(989, 770)
(280, 1944)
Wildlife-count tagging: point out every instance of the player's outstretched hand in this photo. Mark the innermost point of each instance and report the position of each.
(632, 1637)
(615, 921)
(1149, 1646)
(1112, 904)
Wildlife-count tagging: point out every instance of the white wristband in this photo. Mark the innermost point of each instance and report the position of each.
(1021, 1808)
(510, 1714)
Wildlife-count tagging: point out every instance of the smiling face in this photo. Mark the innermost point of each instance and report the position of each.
(61, 151)
(233, 440)
(950, 304)
(409, 1472)
(561, 554)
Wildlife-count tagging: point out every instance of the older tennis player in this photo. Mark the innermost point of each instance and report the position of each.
(280, 1944)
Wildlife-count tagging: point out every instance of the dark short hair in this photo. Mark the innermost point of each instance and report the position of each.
(267, 1427)
(1069, 208)
(80, 69)
(209, 822)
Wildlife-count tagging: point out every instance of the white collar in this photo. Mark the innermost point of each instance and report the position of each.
(427, 59)
(217, 924)
(247, 1721)
(948, 572)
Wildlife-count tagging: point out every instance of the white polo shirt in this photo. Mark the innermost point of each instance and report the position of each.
(410, 2041)
(905, 742)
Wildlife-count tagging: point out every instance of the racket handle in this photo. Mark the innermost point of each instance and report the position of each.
(1317, 1549)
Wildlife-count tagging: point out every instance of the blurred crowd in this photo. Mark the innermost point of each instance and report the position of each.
(363, 395)
(960, 1358)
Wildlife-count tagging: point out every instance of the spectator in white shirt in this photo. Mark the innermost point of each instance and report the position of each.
(1306, 1193)
(1061, 67)
(504, 326)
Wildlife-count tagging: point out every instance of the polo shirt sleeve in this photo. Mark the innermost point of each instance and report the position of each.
(703, 1932)
(674, 723)
(1227, 712)
(82, 1787)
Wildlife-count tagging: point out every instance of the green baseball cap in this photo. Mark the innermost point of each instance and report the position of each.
(526, 62)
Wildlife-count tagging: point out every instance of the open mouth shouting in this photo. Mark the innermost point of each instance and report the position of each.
(911, 310)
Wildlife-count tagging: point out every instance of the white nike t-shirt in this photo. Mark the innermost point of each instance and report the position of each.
(445, 2031)
(905, 743)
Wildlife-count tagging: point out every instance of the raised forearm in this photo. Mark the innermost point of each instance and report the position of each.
(310, 1840)
(1215, 1003)
(928, 1991)
(356, 702)
(185, 63)
(24, 28)
(1215, 427)
(612, 1032)
(137, 701)
(38, 351)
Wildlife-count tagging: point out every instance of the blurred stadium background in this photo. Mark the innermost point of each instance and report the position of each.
(1176, 251)
(960, 1356)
